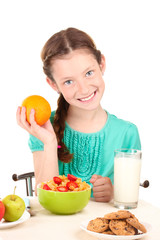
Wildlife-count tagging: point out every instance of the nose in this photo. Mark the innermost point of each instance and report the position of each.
(82, 86)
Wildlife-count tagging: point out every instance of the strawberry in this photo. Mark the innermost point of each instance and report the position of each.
(72, 184)
(2, 210)
(46, 187)
(62, 189)
(71, 177)
(57, 180)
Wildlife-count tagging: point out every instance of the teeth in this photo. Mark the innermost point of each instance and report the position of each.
(86, 99)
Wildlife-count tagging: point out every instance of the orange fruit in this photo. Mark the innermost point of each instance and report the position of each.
(41, 106)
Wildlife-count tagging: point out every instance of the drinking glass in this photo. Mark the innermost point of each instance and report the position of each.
(127, 168)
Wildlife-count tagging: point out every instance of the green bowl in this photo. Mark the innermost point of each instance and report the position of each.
(63, 202)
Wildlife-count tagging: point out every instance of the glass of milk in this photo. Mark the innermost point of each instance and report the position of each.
(127, 168)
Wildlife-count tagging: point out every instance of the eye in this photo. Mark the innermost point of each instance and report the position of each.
(68, 82)
(89, 73)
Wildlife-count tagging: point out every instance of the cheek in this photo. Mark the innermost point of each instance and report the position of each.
(101, 87)
(103, 84)
(100, 82)
(68, 94)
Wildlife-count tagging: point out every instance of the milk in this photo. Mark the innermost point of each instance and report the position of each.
(126, 179)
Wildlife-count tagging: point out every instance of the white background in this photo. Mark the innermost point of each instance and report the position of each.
(127, 33)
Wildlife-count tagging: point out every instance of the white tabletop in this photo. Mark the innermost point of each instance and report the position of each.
(46, 226)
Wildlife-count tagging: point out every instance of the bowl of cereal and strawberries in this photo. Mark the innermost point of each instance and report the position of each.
(64, 194)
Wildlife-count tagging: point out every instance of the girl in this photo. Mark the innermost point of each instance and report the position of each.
(86, 133)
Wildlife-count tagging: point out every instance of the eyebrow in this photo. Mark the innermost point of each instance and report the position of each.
(65, 79)
(89, 68)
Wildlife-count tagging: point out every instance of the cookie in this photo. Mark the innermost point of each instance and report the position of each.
(121, 227)
(133, 221)
(109, 232)
(121, 214)
(98, 225)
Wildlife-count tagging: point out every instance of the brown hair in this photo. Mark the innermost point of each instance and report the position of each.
(58, 45)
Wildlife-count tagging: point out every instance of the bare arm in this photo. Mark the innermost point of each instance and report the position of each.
(45, 162)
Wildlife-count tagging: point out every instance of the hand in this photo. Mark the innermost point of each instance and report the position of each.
(102, 188)
(45, 133)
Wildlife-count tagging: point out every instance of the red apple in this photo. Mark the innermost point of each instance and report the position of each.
(2, 210)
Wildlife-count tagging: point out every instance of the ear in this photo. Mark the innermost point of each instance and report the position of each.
(52, 84)
(103, 64)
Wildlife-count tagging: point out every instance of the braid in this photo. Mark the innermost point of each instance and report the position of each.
(59, 45)
(59, 126)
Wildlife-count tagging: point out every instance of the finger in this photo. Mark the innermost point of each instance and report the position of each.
(103, 195)
(94, 178)
(18, 115)
(32, 117)
(101, 188)
(24, 122)
(103, 199)
(23, 114)
(34, 127)
(101, 181)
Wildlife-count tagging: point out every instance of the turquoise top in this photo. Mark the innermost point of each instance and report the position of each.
(94, 152)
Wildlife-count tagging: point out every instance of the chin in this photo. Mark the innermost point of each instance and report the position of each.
(91, 108)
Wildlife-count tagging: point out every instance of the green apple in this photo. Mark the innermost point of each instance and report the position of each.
(14, 207)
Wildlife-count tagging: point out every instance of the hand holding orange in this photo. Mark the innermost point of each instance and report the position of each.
(40, 105)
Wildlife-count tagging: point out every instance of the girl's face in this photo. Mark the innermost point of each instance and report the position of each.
(78, 77)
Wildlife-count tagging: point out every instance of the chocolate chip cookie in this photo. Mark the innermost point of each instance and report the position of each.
(135, 223)
(98, 225)
(121, 214)
(121, 227)
(109, 232)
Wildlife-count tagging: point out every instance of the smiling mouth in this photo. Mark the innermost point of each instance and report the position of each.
(87, 98)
